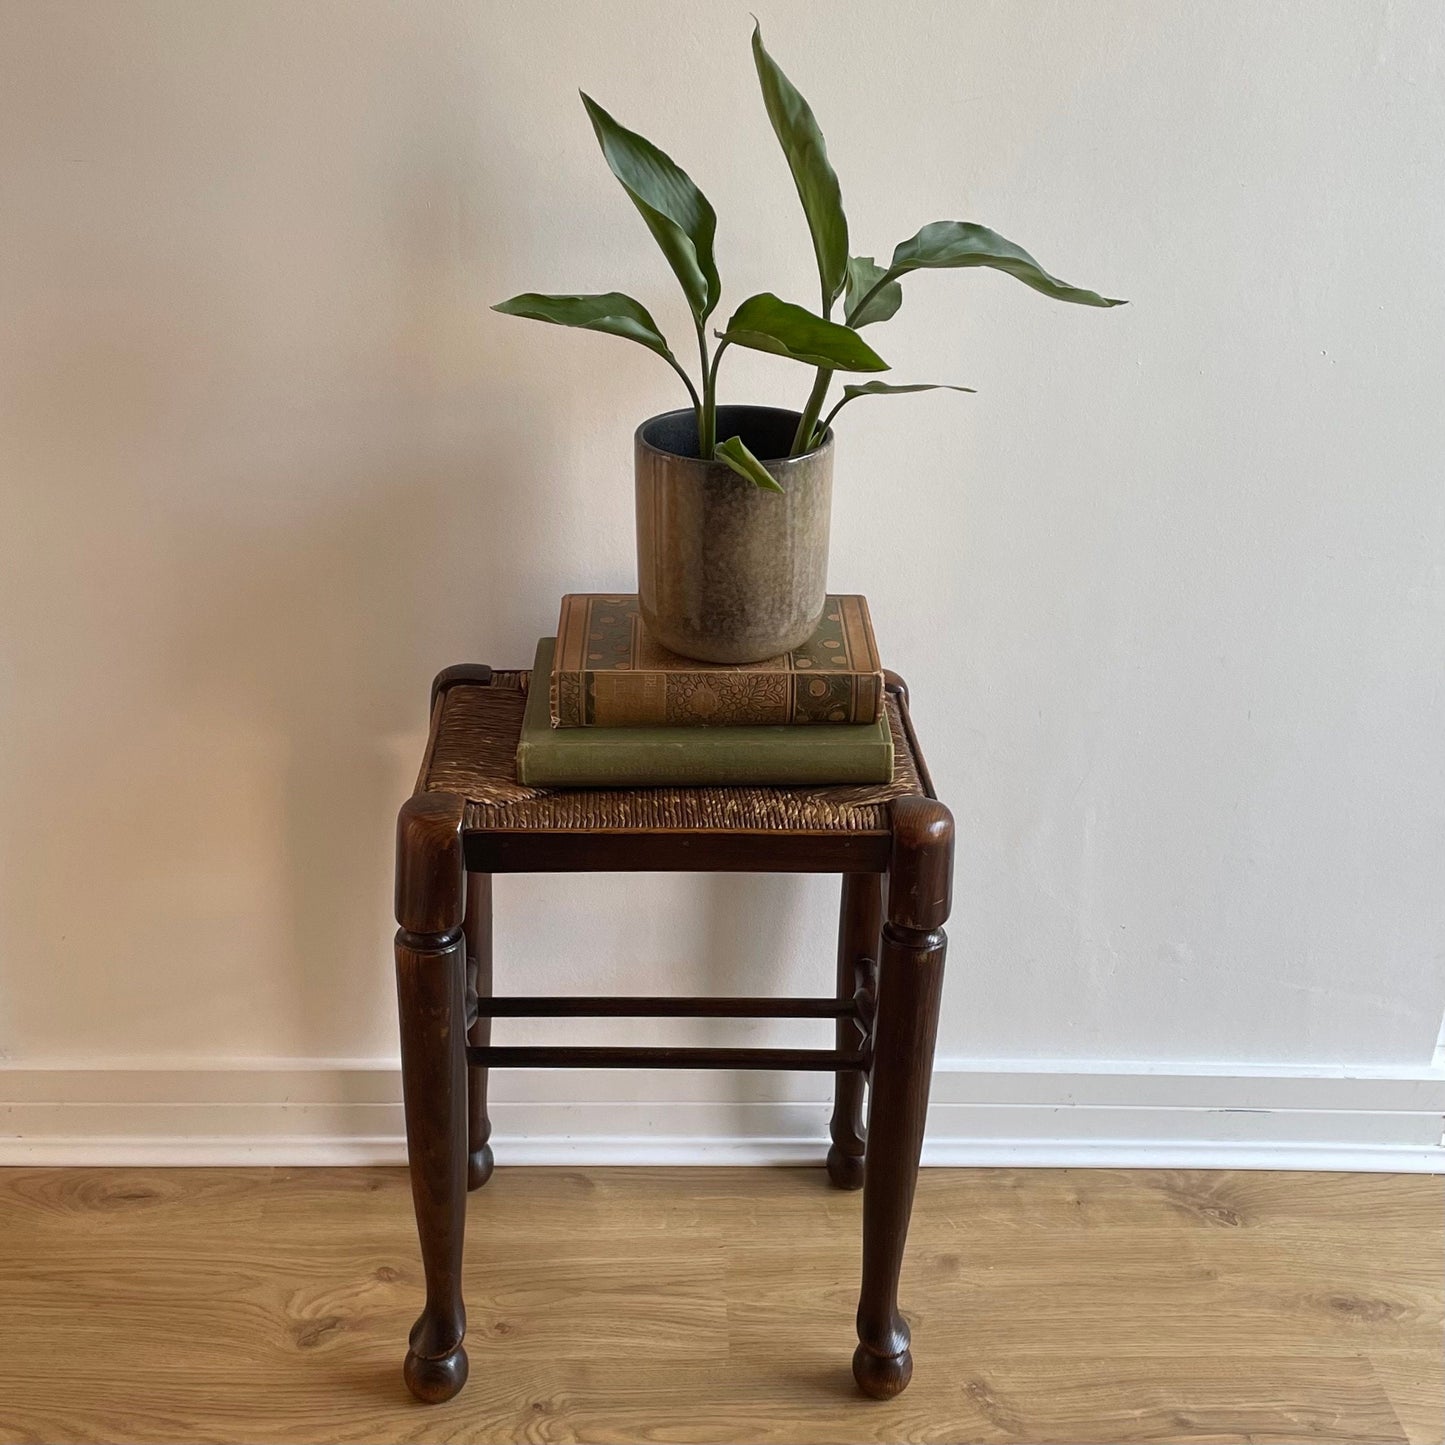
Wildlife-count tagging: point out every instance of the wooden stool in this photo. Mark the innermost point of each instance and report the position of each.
(469, 818)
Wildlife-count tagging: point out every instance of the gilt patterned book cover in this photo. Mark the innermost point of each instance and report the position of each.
(610, 673)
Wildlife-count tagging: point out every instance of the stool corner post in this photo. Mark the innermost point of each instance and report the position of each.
(910, 987)
(430, 872)
(920, 875)
(431, 983)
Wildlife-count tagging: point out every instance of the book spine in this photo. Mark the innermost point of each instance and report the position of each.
(712, 699)
(565, 700)
(567, 694)
(648, 765)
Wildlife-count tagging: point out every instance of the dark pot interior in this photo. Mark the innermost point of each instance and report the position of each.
(767, 431)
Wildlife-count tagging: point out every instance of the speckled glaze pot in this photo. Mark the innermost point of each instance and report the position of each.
(728, 572)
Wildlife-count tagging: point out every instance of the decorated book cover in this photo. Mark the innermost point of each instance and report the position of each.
(610, 673)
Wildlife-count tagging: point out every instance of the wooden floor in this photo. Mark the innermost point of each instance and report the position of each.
(716, 1305)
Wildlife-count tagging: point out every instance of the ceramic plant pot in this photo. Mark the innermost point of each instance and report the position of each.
(728, 572)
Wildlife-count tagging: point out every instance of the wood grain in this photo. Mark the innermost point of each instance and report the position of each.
(716, 1305)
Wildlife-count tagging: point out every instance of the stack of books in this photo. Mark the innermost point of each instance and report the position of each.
(608, 707)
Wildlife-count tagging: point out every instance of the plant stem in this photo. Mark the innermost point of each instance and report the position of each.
(828, 420)
(807, 423)
(706, 408)
(687, 382)
(707, 433)
(802, 438)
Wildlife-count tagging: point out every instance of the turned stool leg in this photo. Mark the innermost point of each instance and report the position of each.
(859, 919)
(478, 929)
(430, 978)
(910, 984)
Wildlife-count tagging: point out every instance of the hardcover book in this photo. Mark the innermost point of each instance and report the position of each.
(771, 754)
(610, 673)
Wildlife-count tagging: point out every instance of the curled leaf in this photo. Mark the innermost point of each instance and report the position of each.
(883, 388)
(735, 453)
(947, 244)
(679, 216)
(766, 323)
(611, 311)
(867, 301)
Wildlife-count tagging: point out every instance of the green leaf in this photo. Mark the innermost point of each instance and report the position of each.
(612, 312)
(802, 142)
(678, 214)
(863, 275)
(745, 464)
(961, 243)
(765, 323)
(882, 388)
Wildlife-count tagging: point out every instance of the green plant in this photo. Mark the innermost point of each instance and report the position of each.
(685, 225)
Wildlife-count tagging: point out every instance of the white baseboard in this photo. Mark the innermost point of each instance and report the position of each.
(1010, 1112)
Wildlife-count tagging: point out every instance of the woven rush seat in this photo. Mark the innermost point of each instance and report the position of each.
(471, 753)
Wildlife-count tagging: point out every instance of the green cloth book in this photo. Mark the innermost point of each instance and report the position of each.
(777, 754)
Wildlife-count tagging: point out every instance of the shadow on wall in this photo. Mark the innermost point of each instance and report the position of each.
(243, 565)
(328, 627)
(274, 472)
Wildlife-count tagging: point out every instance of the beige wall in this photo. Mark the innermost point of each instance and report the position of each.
(1169, 589)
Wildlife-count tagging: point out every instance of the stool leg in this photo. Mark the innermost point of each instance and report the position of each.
(478, 928)
(430, 978)
(909, 989)
(859, 918)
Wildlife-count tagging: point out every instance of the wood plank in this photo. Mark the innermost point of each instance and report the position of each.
(716, 1304)
(691, 851)
(639, 1006)
(1414, 1384)
(584, 1056)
